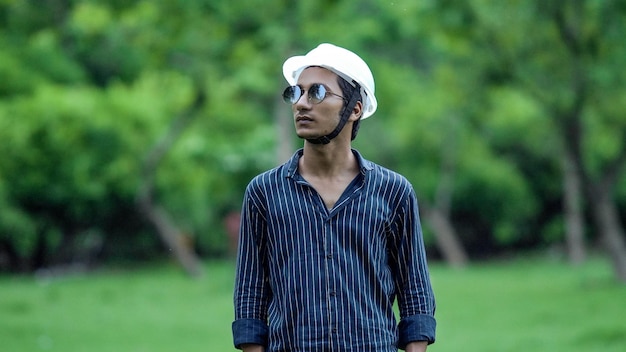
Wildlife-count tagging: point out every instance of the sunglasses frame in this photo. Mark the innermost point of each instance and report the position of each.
(289, 95)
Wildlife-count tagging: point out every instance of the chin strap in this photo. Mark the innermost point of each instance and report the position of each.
(345, 114)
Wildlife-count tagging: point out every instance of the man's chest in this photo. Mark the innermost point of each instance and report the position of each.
(303, 225)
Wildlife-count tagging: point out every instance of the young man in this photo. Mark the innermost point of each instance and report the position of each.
(329, 240)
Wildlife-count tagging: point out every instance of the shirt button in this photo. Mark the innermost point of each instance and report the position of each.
(329, 256)
(333, 293)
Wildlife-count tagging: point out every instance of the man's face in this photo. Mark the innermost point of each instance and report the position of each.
(317, 120)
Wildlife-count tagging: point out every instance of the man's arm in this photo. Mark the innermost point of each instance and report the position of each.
(252, 291)
(416, 300)
(419, 346)
(255, 348)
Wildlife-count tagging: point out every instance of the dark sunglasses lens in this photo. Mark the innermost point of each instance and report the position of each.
(292, 94)
(317, 93)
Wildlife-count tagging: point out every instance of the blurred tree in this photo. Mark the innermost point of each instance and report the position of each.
(564, 66)
(179, 243)
(479, 114)
(587, 31)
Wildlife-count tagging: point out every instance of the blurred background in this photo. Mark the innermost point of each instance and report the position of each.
(129, 130)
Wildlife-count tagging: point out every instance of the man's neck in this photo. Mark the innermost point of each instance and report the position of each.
(328, 160)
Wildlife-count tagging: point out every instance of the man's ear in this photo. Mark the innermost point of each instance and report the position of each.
(357, 112)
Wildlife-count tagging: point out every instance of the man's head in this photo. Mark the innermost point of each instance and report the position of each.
(355, 81)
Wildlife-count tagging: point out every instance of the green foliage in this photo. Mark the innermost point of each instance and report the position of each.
(87, 88)
(497, 196)
(16, 226)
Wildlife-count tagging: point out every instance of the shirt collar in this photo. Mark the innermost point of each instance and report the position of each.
(292, 165)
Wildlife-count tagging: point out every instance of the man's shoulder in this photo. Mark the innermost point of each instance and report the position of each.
(269, 178)
(383, 175)
(277, 175)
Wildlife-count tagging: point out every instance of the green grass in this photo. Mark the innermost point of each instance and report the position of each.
(529, 305)
(151, 309)
(521, 305)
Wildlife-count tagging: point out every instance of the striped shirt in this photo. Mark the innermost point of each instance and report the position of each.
(316, 279)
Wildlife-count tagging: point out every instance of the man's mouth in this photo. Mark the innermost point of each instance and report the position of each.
(303, 118)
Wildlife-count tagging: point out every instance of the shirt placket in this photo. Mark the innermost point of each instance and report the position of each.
(334, 280)
(331, 261)
(332, 286)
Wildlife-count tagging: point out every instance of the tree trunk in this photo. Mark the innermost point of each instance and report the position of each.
(177, 242)
(574, 219)
(439, 214)
(284, 130)
(612, 232)
(447, 239)
(598, 188)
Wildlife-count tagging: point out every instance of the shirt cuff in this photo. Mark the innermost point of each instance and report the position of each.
(252, 331)
(419, 327)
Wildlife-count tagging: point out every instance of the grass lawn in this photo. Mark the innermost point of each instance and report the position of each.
(533, 305)
(520, 305)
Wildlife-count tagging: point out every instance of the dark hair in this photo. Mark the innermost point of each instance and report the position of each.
(346, 90)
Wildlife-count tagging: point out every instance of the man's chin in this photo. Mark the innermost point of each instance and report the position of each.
(307, 136)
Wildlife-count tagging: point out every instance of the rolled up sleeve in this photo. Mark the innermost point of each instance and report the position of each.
(252, 293)
(416, 328)
(252, 331)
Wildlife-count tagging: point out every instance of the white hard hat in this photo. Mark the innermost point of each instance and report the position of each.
(344, 63)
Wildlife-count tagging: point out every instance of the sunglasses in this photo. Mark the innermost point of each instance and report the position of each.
(316, 94)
